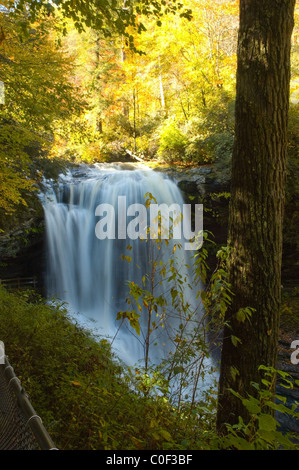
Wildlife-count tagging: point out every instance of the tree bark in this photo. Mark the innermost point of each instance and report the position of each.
(257, 199)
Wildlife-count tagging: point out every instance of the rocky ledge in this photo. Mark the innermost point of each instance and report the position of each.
(21, 245)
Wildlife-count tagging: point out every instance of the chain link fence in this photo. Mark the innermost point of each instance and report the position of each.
(20, 427)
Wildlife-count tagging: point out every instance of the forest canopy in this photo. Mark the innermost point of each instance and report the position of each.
(162, 82)
(75, 87)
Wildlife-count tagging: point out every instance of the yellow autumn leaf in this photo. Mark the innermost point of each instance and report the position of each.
(76, 384)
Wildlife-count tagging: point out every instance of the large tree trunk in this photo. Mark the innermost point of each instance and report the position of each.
(257, 198)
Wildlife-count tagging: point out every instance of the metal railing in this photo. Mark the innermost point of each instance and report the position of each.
(19, 282)
(20, 426)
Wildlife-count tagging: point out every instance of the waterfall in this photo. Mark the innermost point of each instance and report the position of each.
(91, 274)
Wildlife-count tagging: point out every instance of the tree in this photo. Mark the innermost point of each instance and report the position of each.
(257, 200)
(39, 100)
(108, 17)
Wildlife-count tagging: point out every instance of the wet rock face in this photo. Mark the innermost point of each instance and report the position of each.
(191, 181)
(21, 244)
(210, 188)
(21, 254)
(201, 186)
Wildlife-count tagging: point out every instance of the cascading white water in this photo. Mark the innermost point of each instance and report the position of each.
(89, 274)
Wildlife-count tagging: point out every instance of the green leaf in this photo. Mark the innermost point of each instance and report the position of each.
(166, 435)
(234, 372)
(244, 314)
(267, 422)
(252, 405)
(235, 340)
(239, 443)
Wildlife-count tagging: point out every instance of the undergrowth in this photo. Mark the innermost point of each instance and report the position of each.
(81, 391)
(88, 400)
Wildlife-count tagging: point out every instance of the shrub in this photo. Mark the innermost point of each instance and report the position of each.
(172, 142)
